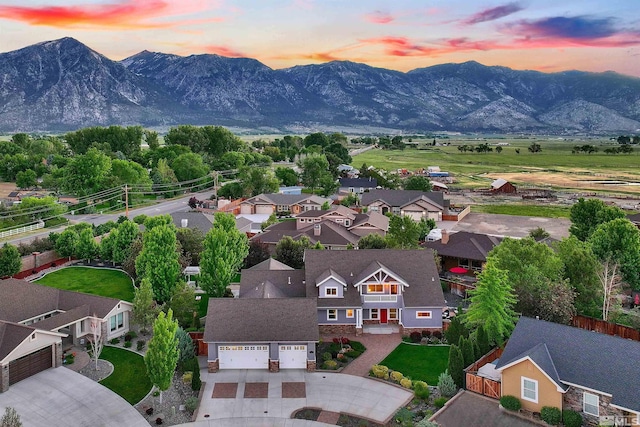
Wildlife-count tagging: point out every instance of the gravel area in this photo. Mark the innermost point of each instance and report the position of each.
(104, 370)
(172, 399)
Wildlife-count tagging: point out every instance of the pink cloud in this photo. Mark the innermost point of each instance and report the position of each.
(224, 51)
(493, 13)
(379, 17)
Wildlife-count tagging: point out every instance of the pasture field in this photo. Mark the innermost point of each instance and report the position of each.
(555, 166)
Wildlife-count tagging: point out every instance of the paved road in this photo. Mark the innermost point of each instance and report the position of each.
(167, 207)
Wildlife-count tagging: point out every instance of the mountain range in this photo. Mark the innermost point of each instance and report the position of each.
(64, 85)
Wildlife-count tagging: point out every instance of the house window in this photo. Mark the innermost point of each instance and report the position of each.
(349, 313)
(591, 404)
(330, 292)
(476, 265)
(373, 314)
(373, 208)
(373, 289)
(423, 315)
(116, 322)
(347, 222)
(393, 314)
(394, 289)
(529, 390)
(351, 189)
(463, 262)
(332, 314)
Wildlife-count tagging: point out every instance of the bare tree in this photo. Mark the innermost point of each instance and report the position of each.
(97, 342)
(610, 281)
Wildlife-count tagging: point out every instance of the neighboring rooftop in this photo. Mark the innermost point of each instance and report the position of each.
(463, 244)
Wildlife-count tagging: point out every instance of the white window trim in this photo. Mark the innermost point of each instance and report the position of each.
(352, 313)
(375, 292)
(424, 317)
(327, 294)
(522, 380)
(395, 316)
(597, 404)
(371, 311)
(332, 310)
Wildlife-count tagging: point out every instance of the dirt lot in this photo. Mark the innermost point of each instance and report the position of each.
(6, 188)
(513, 226)
(578, 180)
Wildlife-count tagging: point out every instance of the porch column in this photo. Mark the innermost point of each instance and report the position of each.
(358, 321)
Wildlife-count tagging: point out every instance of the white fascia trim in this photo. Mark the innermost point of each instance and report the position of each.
(592, 390)
(515, 362)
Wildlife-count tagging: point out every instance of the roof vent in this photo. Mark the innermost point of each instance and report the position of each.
(289, 280)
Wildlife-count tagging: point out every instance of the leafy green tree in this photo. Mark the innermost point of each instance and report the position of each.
(26, 179)
(258, 252)
(232, 190)
(372, 241)
(287, 176)
(10, 261)
(105, 249)
(257, 181)
(425, 225)
(145, 308)
(534, 148)
(87, 174)
(151, 138)
(557, 303)
(189, 166)
(158, 261)
(417, 182)
(340, 151)
(225, 248)
(192, 244)
(163, 176)
(317, 138)
(87, 247)
(587, 215)
(492, 303)
(163, 353)
(328, 185)
(314, 168)
(404, 232)
(581, 269)
(273, 219)
(33, 208)
(66, 243)
(128, 172)
(125, 234)
(183, 303)
(618, 241)
(291, 252)
(155, 221)
(126, 140)
(456, 365)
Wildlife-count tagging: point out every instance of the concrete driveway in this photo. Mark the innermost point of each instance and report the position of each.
(61, 397)
(257, 394)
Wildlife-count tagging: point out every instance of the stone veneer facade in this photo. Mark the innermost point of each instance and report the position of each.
(311, 365)
(213, 366)
(573, 400)
(274, 365)
(337, 329)
(407, 331)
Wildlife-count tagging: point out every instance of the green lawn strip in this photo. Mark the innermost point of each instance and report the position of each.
(524, 210)
(419, 362)
(97, 281)
(203, 304)
(129, 378)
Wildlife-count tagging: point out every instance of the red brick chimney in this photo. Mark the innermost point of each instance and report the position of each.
(445, 237)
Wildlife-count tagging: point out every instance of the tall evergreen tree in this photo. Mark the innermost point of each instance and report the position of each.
(466, 347)
(483, 340)
(163, 353)
(225, 248)
(456, 365)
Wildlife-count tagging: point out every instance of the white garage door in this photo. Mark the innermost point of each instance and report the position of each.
(414, 215)
(264, 209)
(243, 356)
(293, 357)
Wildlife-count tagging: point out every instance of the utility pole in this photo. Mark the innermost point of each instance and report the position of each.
(126, 201)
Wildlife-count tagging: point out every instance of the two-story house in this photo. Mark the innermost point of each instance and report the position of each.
(357, 185)
(285, 204)
(411, 203)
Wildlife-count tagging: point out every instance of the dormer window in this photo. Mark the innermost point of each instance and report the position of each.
(331, 292)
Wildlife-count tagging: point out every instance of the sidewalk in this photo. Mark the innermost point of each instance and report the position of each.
(378, 347)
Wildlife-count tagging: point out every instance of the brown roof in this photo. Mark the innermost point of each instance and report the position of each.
(463, 244)
(252, 320)
(271, 264)
(21, 300)
(272, 284)
(11, 335)
(373, 218)
(416, 267)
(331, 234)
(400, 198)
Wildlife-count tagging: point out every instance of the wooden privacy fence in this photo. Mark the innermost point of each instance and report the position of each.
(598, 325)
(202, 349)
(482, 385)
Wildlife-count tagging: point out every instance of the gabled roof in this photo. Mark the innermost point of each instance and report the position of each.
(272, 284)
(416, 267)
(342, 210)
(498, 183)
(248, 320)
(374, 219)
(11, 335)
(463, 244)
(285, 199)
(329, 274)
(398, 198)
(270, 264)
(599, 362)
(372, 269)
(197, 220)
(358, 182)
(331, 234)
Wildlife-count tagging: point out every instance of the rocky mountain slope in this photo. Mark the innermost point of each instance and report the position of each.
(63, 84)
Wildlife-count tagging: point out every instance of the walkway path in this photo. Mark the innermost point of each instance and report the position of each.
(378, 347)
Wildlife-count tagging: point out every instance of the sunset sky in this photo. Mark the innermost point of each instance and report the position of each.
(544, 35)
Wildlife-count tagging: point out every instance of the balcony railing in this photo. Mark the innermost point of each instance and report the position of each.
(380, 298)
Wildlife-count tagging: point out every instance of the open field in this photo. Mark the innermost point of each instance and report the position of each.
(554, 167)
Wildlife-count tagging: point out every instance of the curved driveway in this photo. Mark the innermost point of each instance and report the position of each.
(363, 397)
(61, 397)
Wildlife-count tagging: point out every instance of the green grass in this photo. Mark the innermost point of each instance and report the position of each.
(419, 362)
(96, 281)
(129, 378)
(524, 210)
(202, 305)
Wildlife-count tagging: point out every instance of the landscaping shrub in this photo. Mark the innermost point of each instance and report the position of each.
(127, 344)
(357, 346)
(114, 341)
(196, 383)
(187, 377)
(191, 404)
(437, 334)
(352, 354)
(550, 415)
(439, 402)
(446, 385)
(415, 336)
(421, 390)
(396, 376)
(343, 339)
(510, 402)
(404, 417)
(426, 333)
(130, 335)
(327, 356)
(140, 344)
(426, 423)
(380, 371)
(571, 418)
(406, 383)
(330, 364)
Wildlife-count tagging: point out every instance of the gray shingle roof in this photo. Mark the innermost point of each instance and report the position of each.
(465, 245)
(11, 335)
(285, 199)
(358, 182)
(271, 264)
(398, 198)
(373, 218)
(416, 267)
(194, 220)
(251, 320)
(272, 284)
(589, 359)
(331, 234)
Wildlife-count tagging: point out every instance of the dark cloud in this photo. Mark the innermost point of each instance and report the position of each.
(493, 13)
(578, 27)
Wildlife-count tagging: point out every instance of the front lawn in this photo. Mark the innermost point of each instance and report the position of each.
(97, 281)
(419, 362)
(129, 378)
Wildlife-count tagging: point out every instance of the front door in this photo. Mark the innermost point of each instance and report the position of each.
(383, 315)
